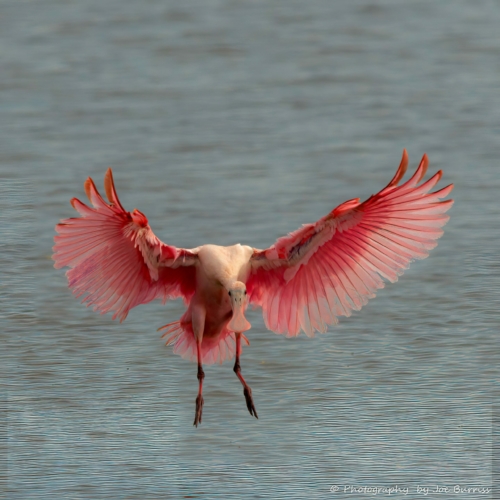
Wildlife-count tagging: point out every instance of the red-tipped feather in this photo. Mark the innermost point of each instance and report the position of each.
(400, 171)
(109, 187)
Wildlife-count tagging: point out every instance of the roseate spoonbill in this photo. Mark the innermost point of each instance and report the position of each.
(302, 282)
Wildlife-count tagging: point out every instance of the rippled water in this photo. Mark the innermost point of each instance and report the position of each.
(237, 121)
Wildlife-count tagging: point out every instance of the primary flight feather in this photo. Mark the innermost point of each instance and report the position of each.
(302, 283)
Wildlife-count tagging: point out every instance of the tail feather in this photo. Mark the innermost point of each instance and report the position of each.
(214, 350)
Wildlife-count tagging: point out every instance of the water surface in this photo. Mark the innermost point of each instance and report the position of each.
(237, 121)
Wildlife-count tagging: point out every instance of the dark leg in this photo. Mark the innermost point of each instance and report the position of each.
(237, 369)
(199, 399)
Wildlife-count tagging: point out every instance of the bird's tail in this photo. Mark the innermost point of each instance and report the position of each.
(213, 349)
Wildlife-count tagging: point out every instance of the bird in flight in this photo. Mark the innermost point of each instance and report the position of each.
(303, 282)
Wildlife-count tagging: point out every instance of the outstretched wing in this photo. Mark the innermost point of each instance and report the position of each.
(116, 260)
(327, 269)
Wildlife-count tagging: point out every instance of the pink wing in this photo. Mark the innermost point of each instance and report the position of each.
(327, 269)
(116, 260)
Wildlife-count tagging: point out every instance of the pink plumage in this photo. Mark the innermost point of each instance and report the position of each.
(327, 269)
(303, 282)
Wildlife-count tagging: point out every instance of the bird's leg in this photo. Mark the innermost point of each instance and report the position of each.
(237, 369)
(199, 399)
(198, 322)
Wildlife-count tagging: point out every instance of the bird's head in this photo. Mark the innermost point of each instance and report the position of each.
(238, 297)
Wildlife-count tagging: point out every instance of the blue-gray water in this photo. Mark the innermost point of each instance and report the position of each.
(237, 121)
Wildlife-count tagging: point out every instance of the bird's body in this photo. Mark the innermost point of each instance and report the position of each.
(302, 283)
(209, 312)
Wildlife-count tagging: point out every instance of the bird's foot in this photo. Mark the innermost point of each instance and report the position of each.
(199, 410)
(248, 397)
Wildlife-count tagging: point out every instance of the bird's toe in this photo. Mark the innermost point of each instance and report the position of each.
(248, 397)
(199, 410)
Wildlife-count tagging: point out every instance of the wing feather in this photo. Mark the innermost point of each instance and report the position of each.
(327, 269)
(116, 262)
